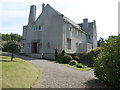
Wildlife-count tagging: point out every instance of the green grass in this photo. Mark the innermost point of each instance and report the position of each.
(81, 69)
(18, 74)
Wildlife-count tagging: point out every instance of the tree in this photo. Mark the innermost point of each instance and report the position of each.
(15, 37)
(6, 37)
(107, 64)
(12, 47)
(12, 36)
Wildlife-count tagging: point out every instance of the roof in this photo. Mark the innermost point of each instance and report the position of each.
(66, 19)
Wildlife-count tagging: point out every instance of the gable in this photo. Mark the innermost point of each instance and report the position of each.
(47, 11)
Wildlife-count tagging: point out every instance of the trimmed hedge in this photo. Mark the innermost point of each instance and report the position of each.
(73, 62)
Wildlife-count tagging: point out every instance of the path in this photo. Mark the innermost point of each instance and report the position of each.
(56, 75)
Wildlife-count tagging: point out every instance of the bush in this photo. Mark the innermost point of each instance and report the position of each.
(61, 55)
(56, 54)
(79, 65)
(107, 64)
(76, 58)
(73, 62)
(66, 59)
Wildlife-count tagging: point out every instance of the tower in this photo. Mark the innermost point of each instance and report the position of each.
(90, 29)
(32, 15)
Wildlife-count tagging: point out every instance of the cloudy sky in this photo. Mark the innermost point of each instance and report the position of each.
(14, 13)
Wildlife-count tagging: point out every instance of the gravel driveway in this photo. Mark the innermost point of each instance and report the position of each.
(56, 75)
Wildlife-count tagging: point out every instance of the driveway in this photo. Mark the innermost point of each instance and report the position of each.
(56, 75)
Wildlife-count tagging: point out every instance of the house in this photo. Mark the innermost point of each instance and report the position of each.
(54, 30)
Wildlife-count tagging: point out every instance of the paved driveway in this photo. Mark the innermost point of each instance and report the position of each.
(56, 75)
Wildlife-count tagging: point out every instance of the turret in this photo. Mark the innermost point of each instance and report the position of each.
(32, 15)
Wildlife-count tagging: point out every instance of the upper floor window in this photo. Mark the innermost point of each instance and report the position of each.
(37, 28)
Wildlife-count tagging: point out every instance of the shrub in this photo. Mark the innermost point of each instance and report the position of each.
(79, 65)
(56, 54)
(76, 58)
(66, 59)
(61, 55)
(73, 62)
(107, 64)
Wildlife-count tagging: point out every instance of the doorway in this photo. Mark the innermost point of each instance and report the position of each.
(35, 47)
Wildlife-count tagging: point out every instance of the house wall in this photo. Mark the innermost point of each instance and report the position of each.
(77, 37)
(49, 36)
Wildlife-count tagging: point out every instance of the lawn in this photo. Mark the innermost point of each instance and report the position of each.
(81, 69)
(17, 74)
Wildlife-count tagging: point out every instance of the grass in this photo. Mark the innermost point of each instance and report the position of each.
(18, 74)
(81, 69)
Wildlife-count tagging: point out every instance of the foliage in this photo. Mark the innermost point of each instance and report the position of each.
(101, 41)
(56, 54)
(76, 58)
(107, 64)
(66, 59)
(79, 65)
(87, 58)
(12, 47)
(73, 62)
(15, 37)
(6, 37)
(12, 36)
(61, 55)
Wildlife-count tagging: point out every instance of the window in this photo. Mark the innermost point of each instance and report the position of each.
(36, 27)
(23, 44)
(68, 43)
(39, 27)
(48, 44)
(89, 36)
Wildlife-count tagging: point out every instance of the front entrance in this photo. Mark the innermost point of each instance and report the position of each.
(34, 47)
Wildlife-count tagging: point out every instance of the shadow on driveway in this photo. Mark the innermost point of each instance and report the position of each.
(95, 83)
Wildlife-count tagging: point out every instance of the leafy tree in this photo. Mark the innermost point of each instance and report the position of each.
(15, 37)
(6, 37)
(107, 64)
(12, 47)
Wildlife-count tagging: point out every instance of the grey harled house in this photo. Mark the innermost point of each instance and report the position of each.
(53, 30)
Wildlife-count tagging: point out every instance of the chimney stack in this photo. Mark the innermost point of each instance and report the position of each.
(43, 6)
(32, 15)
(85, 22)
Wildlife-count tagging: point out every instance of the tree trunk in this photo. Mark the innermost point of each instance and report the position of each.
(12, 57)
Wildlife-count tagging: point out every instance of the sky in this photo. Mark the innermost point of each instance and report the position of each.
(14, 14)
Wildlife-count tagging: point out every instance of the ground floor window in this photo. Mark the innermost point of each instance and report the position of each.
(68, 43)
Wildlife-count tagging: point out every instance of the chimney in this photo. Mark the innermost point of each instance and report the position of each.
(32, 15)
(43, 6)
(85, 22)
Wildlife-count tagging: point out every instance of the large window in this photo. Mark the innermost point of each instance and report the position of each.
(68, 43)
